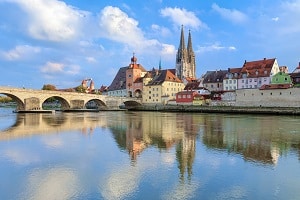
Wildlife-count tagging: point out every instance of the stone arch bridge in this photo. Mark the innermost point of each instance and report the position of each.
(31, 99)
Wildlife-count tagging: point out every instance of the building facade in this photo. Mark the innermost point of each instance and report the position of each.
(161, 88)
(213, 80)
(134, 73)
(230, 81)
(254, 74)
(185, 59)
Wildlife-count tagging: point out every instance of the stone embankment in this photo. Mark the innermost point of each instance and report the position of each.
(219, 109)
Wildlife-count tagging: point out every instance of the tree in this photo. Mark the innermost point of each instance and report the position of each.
(49, 87)
(81, 89)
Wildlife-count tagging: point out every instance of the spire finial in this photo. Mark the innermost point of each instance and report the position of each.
(159, 66)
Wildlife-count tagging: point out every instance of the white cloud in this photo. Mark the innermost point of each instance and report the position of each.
(160, 30)
(116, 25)
(51, 19)
(91, 59)
(214, 47)
(234, 16)
(275, 19)
(168, 51)
(59, 68)
(20, 52)
(183, 17)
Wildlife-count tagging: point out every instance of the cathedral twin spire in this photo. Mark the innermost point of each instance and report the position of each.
(185, 58)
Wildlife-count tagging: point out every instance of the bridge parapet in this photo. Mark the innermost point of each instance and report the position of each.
(31, 99)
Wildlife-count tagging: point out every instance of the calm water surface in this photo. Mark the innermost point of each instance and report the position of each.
(148, 155)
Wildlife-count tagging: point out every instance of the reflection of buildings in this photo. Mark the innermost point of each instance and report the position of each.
(164, 131)
(259, 139)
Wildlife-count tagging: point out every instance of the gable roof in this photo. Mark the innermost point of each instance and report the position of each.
(214, 76)
(194, 85)
(119, 82)
(258, 68)
(162, 76)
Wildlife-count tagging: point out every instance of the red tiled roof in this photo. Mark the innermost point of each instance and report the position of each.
(164, 75)
(259, 68)
(193, 85)
(275, 86)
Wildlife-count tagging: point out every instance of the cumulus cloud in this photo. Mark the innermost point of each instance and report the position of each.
(168, 51)
(183, 17)
(58, 68)
(20, 52)
(116, 25)
(51, 19)
(233, 15)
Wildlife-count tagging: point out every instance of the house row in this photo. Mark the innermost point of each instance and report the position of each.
(162, 86)
(252, 75)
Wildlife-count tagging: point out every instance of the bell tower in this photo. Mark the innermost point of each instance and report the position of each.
(185, 58)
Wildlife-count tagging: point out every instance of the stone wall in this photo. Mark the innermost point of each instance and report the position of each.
(268, 98)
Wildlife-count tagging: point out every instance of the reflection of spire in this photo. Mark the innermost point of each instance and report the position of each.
(185, 153)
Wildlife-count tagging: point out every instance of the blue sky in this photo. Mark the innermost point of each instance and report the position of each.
(63, 42)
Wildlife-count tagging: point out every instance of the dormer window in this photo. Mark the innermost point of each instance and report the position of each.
(266, 72)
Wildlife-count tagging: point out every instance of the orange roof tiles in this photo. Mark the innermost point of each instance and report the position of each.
(259, 68)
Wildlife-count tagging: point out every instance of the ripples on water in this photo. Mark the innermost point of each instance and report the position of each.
(148, 155)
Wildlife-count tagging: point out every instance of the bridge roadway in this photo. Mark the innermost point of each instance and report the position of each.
(32, 100)
(29, 124)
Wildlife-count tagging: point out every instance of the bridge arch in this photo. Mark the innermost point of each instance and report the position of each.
(131, 103)
(64, 104)
(138, 93)
(98, 104)
(20, 103)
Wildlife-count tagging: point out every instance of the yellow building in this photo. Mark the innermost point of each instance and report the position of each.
(161, 86)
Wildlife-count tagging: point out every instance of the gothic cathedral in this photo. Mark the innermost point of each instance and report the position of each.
(185, 59)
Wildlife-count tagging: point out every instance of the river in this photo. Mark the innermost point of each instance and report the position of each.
(148, 155)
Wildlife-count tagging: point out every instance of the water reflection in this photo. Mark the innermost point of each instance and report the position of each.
(197, 152)
(258, 138)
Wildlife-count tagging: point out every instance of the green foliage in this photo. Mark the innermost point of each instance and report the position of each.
(49, 87)
(5, 99)
(80, 89)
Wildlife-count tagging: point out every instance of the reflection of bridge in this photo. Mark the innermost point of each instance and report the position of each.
(29, 124)
(29, 99)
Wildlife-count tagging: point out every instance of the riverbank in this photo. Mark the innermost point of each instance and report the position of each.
(219, 109)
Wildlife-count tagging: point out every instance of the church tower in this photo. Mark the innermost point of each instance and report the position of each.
(185, 58)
